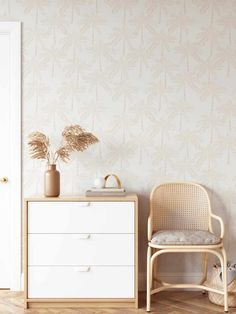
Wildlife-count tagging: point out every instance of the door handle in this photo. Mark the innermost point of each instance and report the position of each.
(4, 180)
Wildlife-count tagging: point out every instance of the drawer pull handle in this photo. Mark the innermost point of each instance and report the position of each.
(83, 236)
(85, 204)
(82, 269)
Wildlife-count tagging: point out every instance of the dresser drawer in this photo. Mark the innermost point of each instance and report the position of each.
(81, 217)
(81, 249)
(81, 282)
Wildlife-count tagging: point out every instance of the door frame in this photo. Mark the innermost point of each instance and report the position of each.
(13, 30)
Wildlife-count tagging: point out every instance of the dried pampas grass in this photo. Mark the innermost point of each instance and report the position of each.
(39, 145)
(74, 138)
(63, 153)
(77, 139)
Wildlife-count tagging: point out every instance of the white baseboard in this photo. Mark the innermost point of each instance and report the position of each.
(171, 277)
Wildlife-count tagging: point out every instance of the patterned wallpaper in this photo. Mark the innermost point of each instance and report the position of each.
(153, 79)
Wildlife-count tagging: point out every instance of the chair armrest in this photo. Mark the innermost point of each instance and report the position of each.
(222, 227)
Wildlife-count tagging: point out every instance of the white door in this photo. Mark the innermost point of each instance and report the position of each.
(9, 150)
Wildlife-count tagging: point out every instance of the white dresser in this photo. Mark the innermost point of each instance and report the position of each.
(81, 251)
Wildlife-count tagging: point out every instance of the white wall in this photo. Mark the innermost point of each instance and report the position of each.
(154, 80)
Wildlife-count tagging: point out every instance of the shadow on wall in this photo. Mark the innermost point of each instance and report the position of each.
(143, 240)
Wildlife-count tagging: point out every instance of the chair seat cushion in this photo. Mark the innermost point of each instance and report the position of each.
(184, 237)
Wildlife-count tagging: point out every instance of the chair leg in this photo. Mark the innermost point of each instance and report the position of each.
(149, 279)
(205, 269)
(205, 265)
(224, 275)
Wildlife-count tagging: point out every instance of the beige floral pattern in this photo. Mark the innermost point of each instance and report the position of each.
(184, 237)
(153, 79)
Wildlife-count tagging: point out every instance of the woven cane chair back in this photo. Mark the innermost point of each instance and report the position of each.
(180, 206)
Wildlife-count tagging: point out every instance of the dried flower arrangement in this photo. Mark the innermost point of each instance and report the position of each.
(74, 138)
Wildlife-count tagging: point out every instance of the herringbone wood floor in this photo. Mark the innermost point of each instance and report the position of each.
(164, 303)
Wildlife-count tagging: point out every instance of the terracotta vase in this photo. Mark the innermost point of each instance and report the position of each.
(52, 181)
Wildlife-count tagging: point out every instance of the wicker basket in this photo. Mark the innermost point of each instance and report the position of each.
(215, 281)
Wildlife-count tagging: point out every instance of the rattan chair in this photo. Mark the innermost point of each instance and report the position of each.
(180, 220)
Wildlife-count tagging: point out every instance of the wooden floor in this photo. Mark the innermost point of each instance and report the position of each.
(164, 303)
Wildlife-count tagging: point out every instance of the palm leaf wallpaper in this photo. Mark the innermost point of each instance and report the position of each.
(153, 79)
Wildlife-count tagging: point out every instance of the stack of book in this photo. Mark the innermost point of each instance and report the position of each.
(106, 192)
